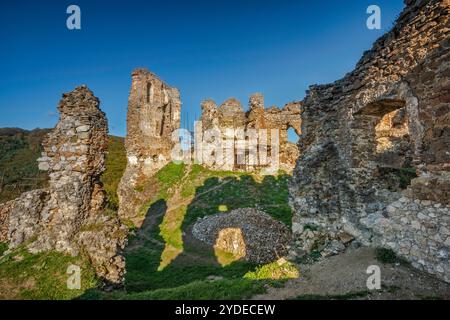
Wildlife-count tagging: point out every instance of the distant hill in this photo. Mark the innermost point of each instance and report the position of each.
(19, 172)
(19, 150)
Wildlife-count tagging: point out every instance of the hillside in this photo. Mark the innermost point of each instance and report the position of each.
(164, 261)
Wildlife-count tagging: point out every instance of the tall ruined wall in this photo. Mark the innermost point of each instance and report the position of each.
(230, 115)
(153, 115)
(60, 217)
(363, 133)
(74, 155)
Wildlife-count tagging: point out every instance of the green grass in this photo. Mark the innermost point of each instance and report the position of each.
(242, 191)
(162, 264)
(144, 257)
(274, 270)
(41, 276)
(170, 174)
(115, 162)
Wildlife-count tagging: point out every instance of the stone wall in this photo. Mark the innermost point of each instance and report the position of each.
(389, 116)
(230, 115)
(62, 217)
(245, 233)
(153, 115)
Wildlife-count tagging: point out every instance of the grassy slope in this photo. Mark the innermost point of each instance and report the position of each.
(116, 162)
(43, 276)
(161, 262)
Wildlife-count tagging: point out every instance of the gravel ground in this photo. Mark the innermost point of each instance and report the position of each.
(345, 274)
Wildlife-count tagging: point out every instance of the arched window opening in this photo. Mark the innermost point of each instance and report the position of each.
(293, 137)
(149, 92)
(391, 147)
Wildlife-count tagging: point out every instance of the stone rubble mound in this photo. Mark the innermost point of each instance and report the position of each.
(263, 239)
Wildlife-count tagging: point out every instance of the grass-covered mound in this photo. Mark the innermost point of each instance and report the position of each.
(162, 260)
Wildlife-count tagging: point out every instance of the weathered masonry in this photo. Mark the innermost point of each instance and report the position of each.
(68, 215)
(375, 146)
(153, 115)
(230, 115)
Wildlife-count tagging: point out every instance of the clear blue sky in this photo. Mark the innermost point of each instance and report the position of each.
(215, 49)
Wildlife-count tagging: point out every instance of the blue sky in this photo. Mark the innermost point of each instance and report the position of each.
(215, 49)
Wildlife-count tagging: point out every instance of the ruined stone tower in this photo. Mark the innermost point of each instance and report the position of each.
(153, 115)
(74, 156)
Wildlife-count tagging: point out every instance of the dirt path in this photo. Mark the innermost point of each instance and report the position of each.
(345, 274)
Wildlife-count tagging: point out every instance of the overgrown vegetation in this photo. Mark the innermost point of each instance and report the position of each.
(162, 258)
(275, 270)
(163, 261)
(405, 175)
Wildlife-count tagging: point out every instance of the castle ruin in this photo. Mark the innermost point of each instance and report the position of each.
(363, 135)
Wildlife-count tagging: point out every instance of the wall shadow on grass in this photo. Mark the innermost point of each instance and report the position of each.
(196, 261)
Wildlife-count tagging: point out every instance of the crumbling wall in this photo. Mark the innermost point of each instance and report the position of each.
(247, 127)
(246, 233)
(60, 217)
(355, 145)
(153, 115)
